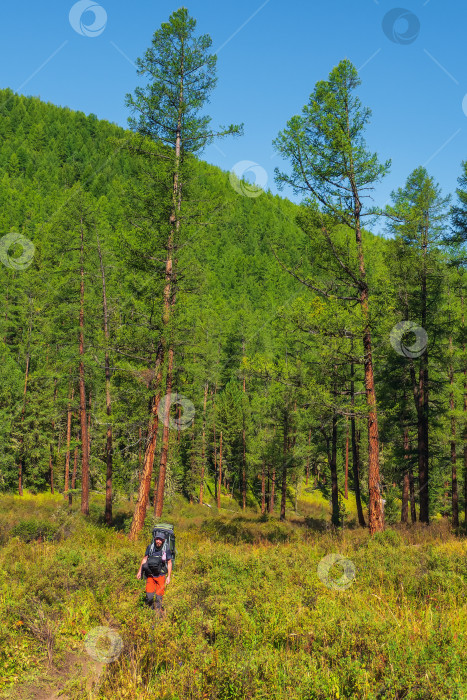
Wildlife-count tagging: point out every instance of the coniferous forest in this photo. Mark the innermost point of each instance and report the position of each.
(174, 337)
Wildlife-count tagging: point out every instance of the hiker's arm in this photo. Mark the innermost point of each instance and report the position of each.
(143, 561)
(169, 571)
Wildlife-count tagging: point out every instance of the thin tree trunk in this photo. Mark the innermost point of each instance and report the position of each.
(355, 451)
(169, 295)
(68, 440)
(405, 483)
(263, 488)
(108, 402)
(243, 443)
(454, 494)
(346, 485)
(375, 514)
(159, 503)
(145, 482)
(23, 410)
(308, 458)
(413, 510)
(51, 449)
(203, 447)
(219, 485)
(284, 464)
(465, 408)
(73, 477)
(82, 394)
(333, 469)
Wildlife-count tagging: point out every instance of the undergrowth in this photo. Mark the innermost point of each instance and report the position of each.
(247, 615)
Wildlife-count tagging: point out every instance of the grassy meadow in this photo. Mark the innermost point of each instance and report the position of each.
(247, 615)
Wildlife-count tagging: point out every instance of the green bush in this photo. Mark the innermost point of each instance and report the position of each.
(30, 530)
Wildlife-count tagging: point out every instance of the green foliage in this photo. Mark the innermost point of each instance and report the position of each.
(239, 611)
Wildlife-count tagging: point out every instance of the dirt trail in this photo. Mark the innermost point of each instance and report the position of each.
(50, 685)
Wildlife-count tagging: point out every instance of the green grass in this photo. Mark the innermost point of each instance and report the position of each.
(247, 614)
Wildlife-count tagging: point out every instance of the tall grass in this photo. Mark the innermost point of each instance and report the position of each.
(247, 615)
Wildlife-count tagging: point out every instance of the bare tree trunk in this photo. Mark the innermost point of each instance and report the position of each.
(375, 514)
(273, 483)
(108, 403)
(355, 452)
(145, 482)
(169, 294)
(284, 464)
(406, 481)
(346, 485)
(68, 440)
(219, 485)
(333, 469)
(23, 410)
(243, 444)
(82, 394)
(263, 488)
(73, 478)
(308, 458)
(454, 494)
(203, 448)
(165, 438)
(413, 510)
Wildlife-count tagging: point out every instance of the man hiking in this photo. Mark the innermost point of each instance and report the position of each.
(156, 563)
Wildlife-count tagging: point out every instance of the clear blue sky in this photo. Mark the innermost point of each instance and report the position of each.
(270, 55)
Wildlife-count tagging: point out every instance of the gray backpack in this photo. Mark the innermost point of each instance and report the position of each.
(156, 561)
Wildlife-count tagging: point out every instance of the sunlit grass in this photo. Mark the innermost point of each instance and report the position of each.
(247, 614)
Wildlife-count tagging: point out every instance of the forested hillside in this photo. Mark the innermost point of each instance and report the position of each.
(165, 324)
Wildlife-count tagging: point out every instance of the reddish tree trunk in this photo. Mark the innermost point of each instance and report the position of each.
(263, 489)
(284, 465)
(108, 402)
(23, 410)
(73, 477)
(355, 451)
(82, 394)
(203, 446)
(454, 494)
(346, 484)
(219, 485)
(68, 440)
(145, 482)
(165, 438)
(406, 481)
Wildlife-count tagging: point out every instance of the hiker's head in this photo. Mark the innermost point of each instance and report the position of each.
(159, 538)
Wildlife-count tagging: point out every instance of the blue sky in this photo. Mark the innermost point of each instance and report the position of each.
(270, 55)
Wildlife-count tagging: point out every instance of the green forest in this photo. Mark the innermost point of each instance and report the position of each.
(178, 343)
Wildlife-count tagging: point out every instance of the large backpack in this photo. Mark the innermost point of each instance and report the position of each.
(154, 561)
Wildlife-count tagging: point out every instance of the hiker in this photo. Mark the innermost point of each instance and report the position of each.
(156, 563)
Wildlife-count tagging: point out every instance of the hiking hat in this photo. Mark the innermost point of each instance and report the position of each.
(159, 535)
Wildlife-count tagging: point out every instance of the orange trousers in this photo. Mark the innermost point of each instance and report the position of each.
(155, 585)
